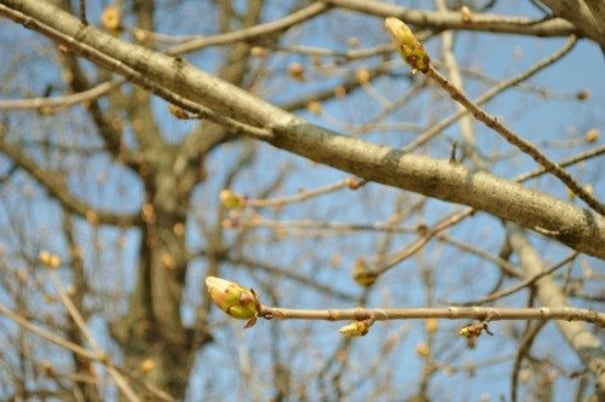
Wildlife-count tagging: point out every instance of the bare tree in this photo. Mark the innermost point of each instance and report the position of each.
(142, 156)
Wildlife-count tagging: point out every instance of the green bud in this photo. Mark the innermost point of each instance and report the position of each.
(231, 200)
(233, 299)
(409, 46)
(356, 328)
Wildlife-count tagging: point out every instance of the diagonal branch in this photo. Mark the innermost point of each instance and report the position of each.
(54, 104)
(523, 145)
(578, 228)
(252, 33)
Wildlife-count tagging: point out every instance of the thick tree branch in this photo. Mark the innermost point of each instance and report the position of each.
(576, 227)
(586, 15)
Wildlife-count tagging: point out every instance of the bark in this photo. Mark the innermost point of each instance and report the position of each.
(586, 15)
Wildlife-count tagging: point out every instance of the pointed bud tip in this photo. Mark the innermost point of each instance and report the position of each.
(232, 298)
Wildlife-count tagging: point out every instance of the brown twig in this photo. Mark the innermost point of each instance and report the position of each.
(521, 285)
(53, 104)
(308, 194)
(452, 19)
(426, 234)
(592, 153)
(522, 144)
(253, 32)
(451, 313)
(435, 129)
(119, 380)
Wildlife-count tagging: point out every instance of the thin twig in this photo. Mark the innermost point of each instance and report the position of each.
(426, 235)
(120, 381)
(53, 104)
(451, 313)
(487, 96)
(261, 30)
(523, 145)
(49, 336)
(306, 195)
(521, 285)
(592, 153)
(523, 350)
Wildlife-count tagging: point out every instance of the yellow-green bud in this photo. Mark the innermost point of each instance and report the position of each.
(231, 200)
(409, 46)
(233, 299)
(362, 274)
(356, 328)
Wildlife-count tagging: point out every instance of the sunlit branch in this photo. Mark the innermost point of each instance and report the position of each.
(138, 78)
(58, 103)
(252, 33)
(245, 304)
(437, 128)
(586, 344)
(452, 20)
(414, 54)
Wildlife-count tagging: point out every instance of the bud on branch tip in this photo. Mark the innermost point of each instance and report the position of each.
(234, 299)
(409, 46)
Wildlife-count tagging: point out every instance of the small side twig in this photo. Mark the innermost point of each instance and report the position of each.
(120, 381)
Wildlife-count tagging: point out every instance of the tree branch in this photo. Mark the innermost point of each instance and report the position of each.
(578, 228)
(253, 32)
(55, 184)
(453, 20)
